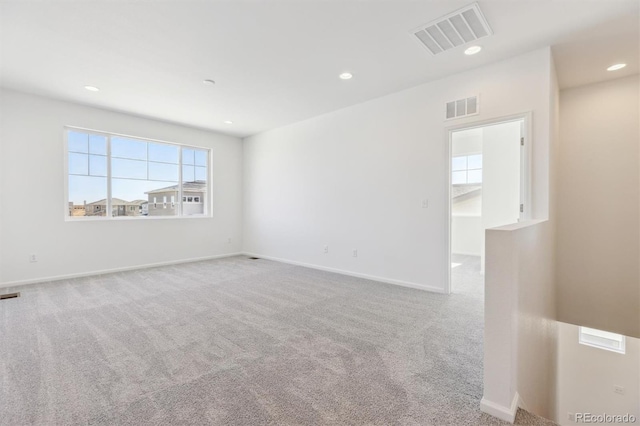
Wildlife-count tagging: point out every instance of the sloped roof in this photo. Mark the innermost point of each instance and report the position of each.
(196, 186)
(114, 201)
(460, 190)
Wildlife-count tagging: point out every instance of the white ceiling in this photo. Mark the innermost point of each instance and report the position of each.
(277, 62)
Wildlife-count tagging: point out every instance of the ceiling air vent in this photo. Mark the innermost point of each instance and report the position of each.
(463, 108)
(455, 29)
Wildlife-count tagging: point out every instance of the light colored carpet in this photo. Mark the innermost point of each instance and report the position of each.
(241, 342)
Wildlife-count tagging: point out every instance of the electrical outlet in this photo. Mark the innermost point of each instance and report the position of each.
(33, 258)
(355, 252)
(618, 389)
(425, 203)
(326, 249)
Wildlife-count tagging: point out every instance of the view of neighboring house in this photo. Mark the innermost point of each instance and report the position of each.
(76, 210)
(162, 202)
(119, 207)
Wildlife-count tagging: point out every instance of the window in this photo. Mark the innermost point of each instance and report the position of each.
(113, 171)
(602, 339)
(466, 169)
(196, 199)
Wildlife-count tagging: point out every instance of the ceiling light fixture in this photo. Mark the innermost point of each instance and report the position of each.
(92, 88)
(209, 82)
(228, 122)
(616, 67)
(473, 50)
(346, 76)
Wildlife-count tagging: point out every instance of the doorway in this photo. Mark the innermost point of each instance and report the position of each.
(487, 189)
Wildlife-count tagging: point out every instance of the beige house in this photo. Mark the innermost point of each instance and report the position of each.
(76, 209)
(119, 207)
(162, 202)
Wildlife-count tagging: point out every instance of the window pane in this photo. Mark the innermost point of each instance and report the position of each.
(128, 148)
(87, 196)
(602, 339)
(132, 169)
(474, 161)
(163, 171)
(163, 153)
(459, 177)
(188, 173)
(78, 164)
(78, 142)
(200, 158)
(459, 163)
(474, 176)
(141, 195)
(188, 156)
(201, 174)
(98, 144)
(97, 165)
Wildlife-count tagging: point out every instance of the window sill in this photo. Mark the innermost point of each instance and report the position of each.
(126, 219)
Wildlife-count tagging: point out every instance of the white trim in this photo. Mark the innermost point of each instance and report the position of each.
(352, 274)
(508, 414)
(110, 271)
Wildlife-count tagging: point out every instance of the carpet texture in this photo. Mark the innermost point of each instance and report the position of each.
(242, 342)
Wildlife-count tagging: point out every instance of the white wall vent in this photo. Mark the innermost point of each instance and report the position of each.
(463, 108)
(455, 29)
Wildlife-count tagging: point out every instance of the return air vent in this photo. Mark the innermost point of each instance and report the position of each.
(463, 108)
(9, 296)
(455, 29)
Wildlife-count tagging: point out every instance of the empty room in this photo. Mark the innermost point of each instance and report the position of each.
(318, 212)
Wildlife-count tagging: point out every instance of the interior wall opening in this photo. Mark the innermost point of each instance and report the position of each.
(487, 164)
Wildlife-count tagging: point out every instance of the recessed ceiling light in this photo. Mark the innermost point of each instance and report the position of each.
(92, 88)
(346, 76)
(228, 122)
(616, 67)
(472, 50)
(209, 82)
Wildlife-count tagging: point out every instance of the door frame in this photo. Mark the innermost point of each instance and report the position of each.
(525, 171)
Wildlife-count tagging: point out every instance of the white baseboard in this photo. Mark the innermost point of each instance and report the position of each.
(352, 274)
(109, 271)
(508, 414)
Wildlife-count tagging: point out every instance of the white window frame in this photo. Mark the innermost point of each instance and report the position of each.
(602, 339)
(108, 208)
(467, 169)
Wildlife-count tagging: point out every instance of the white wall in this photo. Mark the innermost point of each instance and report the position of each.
(32, 153)
(356, 178)
(520, 334)
(599, 207)
(587, 376)
(520, 327)
(467, 233)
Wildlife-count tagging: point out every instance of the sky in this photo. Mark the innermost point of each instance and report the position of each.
(136, 166)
